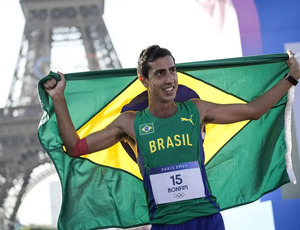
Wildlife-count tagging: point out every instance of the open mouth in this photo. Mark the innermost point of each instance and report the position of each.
(169, 89)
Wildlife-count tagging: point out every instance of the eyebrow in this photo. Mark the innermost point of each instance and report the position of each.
(158, 70)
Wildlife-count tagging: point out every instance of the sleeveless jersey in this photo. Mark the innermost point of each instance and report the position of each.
(169, 141)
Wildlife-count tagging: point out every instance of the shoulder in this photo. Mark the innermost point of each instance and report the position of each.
(125, 122)
(202, 107)
(200, 104)
(126, 117)
(128, 114)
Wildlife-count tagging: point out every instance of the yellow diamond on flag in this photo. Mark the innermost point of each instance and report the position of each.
(216, 135)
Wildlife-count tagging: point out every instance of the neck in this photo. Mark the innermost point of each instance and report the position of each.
(163, 110)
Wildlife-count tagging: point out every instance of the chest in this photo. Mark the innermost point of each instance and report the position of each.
(168, 141)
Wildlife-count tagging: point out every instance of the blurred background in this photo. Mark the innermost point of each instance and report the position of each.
(74, 36)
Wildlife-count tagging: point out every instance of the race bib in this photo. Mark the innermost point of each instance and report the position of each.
(177, 182)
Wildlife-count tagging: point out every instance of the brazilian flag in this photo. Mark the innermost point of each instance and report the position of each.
(243, 160)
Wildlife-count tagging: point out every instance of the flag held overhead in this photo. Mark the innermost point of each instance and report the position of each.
(243, 160)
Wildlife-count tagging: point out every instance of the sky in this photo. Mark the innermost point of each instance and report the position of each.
(183, 26)
(11, 24)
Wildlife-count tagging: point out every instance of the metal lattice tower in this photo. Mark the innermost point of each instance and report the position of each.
(47, 22)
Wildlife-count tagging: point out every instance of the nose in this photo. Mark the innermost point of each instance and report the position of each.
(169, 77)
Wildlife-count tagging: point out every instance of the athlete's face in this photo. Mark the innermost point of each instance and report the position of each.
(162, 79)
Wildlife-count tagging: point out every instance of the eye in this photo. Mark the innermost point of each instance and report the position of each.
(159, 72)
(173, 70)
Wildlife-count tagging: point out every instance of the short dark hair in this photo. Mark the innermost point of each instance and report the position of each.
(150, 54)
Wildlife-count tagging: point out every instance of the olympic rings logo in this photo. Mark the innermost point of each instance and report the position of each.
(179, 195)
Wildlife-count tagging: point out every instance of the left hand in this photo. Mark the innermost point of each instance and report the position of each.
(293, 65)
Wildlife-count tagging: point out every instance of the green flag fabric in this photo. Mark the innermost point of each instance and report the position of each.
(243, 160)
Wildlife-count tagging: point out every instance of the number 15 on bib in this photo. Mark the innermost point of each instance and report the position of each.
(177, 182)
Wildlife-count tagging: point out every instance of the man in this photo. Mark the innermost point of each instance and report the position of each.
(173, 153)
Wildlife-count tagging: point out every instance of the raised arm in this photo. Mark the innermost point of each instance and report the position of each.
(118, 130)
(230, 113)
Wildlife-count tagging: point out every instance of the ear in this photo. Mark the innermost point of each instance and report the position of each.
(143, 80)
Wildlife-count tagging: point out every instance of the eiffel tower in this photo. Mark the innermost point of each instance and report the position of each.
(47, 23)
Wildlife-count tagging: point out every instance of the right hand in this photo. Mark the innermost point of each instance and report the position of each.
(54, 88)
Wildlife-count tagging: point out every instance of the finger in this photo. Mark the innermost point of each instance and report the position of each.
(52, 81)
(48, 85)
(62, 76)
(45, 85)
(290, 53)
